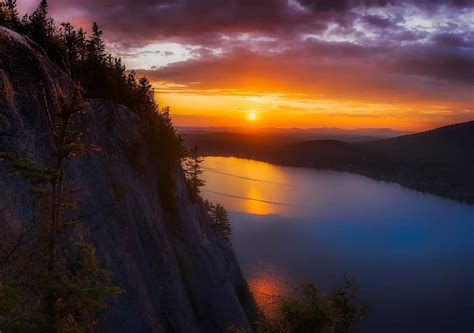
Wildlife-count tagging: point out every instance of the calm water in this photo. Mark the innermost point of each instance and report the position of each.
(412, 253)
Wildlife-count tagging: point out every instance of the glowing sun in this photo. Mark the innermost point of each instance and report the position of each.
(252, 116)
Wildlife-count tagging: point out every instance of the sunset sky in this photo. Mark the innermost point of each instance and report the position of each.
(294, 63)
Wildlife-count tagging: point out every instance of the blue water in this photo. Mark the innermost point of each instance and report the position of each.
(411, 253)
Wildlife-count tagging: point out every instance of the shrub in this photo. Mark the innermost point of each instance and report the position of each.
(315, 312)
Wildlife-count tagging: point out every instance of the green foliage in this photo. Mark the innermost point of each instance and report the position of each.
(220, 221)
(83, 290)
(49, 281)
(79, 285)
(315, 312)
(28, 169)
(193, 171)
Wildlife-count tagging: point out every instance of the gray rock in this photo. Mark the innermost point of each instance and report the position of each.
(178, 275)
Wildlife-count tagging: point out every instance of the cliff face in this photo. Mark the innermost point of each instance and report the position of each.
(178, 275)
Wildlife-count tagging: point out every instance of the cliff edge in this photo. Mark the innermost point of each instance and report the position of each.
(178, 275)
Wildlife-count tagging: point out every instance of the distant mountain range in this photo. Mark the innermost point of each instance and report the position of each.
(301, 134)
(439, 161)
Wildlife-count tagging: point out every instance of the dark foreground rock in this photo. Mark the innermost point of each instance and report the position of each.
(177, 274)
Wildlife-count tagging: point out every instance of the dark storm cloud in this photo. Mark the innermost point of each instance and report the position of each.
(137, 21)
(451, 65)
(342, 5)
(345, 5)
(146, 19)
(447, 39)
(379, 22)
(384, 46)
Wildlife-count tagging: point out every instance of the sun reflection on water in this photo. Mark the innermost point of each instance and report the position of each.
(255, 204)
(251, 187)
(267, 288)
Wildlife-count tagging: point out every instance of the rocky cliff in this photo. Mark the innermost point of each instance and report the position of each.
(177, 274)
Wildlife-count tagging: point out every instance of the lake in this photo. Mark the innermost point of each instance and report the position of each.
(411, 253)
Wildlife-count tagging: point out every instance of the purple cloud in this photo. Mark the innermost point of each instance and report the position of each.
(394, 48)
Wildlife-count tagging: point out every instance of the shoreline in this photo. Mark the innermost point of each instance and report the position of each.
(410, 184)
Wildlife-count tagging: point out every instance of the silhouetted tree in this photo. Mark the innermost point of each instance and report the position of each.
(193, 171)
(41, 29)
(38, 26)
(73, 45)
(95, 44)
(85, 59)
(9, 15)
(220, 221)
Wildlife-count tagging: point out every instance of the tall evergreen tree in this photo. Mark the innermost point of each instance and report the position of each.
(220, 220)
(95, 44)
(38, 26)
(193, 170)
(9, 14)
(41, 29)
(56, 285)
(85, 59)
(70, 40)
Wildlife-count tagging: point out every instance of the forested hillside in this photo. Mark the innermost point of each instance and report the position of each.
(439, 161)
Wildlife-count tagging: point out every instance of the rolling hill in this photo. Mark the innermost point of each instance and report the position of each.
(439, 161)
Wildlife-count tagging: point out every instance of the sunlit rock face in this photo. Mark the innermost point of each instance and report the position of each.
(178, 276)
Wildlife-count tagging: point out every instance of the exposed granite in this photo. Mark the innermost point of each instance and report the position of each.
(178, 275)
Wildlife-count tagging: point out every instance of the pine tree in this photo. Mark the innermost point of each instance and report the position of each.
(95, 44)
(166, 117)
(81, 46)
(57, 284)
(220, 220)
(70, 39)
(193, 171)
(39, 27)
(85, 59)
(9, 14)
